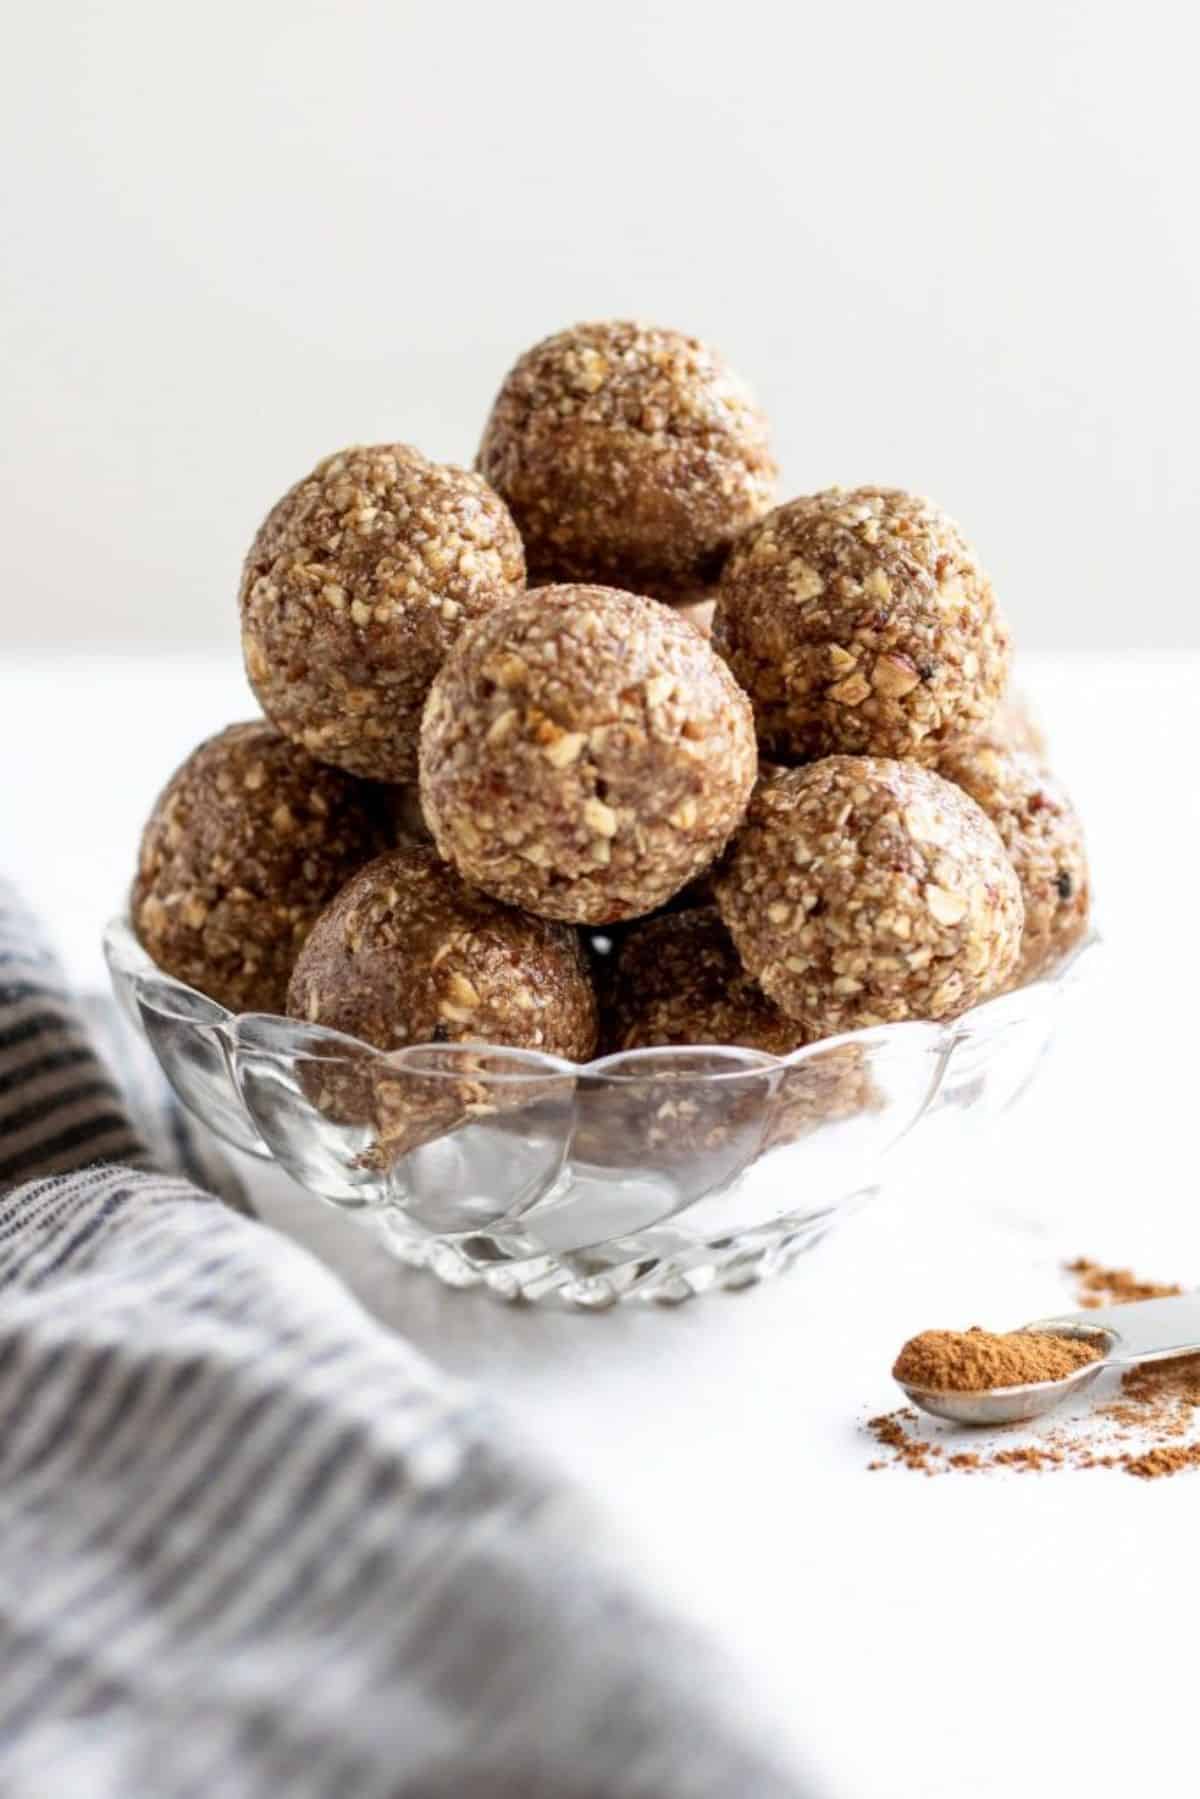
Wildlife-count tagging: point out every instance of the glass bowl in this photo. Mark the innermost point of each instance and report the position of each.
(653, 1173)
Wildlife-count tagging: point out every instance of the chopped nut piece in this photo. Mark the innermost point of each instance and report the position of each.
(503, 725)
(600, 818)
(804, 583)
(948, 908)
(924, 823)
(565, 749)
(460, 990)
(194, 912)
(894, 676)
(851, 692)
(509, 671)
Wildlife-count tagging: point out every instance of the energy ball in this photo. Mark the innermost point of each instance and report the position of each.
(1041, 831)
(864, 891)
(861, 622)
(678, 980)
(246, 844)
(629, 456)
(355, 587)
(407, 954)
(584, 754)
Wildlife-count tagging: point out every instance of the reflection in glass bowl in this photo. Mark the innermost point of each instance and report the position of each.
(653, 1173)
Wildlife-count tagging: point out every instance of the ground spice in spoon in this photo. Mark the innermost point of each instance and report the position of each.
(1148, 1428)
(975, 1361)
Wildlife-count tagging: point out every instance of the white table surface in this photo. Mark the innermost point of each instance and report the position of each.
(993, 1635)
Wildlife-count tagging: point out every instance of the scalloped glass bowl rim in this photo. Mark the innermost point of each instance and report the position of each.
(123, 953)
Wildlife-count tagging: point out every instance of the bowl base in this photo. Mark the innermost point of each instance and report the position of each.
(655, 1267)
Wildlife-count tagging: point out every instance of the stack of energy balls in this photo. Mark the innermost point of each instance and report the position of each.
(604, 688)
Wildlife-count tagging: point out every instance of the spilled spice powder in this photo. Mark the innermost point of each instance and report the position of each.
(1098, 1286)
(975, 1361)
(891, 1431)
(1149, 1428)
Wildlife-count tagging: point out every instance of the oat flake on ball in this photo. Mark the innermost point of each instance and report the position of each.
(248, 841)
(1041, 831)
(864, 891)
(584, 754)
(355, 587)
(862, 622)
(629, 455)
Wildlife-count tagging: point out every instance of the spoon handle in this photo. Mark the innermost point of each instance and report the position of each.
(1146, 1330)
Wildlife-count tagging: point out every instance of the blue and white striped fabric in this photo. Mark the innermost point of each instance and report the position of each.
(251, 1543)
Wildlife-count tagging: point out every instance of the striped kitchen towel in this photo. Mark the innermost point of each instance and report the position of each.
(250, 1542)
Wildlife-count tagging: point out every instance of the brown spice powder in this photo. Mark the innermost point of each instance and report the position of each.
(1147, 1429)
(1099, 1286)
(892, 1430)
(976, 1361)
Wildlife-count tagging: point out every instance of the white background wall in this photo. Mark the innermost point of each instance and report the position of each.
(953, 246)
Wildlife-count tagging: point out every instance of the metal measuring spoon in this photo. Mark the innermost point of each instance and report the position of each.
(1148, 1330)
